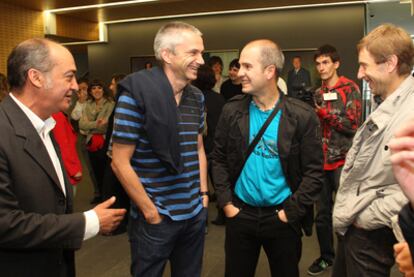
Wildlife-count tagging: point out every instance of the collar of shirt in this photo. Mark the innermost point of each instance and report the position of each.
(392, 103)
(42, 127)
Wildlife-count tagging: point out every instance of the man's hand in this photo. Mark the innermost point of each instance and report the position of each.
(205, 199)
(403, 259)
(109, 219)
(154, 218)
(230, 210)
(282, 216)
(402, 148)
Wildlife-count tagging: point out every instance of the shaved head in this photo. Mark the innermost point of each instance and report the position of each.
(270, 53)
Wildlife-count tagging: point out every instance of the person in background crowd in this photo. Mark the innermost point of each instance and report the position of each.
(338, 106)
(148, 65)
(281, 84)
(214, 104)
(369, 197)
(38, 230)
(66, 137)
(111, 185)
(298, 78)
(158, 156)
(93, 125)
(267, 195)
(81, 99)
(216, 63)
(4, 88)
(232, 86)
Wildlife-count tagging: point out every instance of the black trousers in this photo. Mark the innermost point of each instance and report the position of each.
(363, 253)
(323, 220)
(253, 228)
(112, 187)
(98, 161)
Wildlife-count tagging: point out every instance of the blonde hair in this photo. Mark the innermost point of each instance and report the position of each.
(387, 40)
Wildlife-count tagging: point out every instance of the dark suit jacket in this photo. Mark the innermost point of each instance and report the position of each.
(38, 233)
(297, 81)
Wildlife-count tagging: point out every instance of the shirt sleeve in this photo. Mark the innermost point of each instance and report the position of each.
(91, 224)
(128, 120)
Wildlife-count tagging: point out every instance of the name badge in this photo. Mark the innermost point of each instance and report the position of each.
(330, 96)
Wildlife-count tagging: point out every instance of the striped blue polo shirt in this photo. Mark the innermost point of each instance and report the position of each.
(176, 196)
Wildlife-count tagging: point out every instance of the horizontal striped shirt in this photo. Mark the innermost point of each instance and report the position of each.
(176, 196)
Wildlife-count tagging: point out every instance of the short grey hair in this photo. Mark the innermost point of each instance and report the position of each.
(171, 34)
(271, 54)
(32, 53)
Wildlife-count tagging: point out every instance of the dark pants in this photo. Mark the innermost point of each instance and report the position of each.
(98, 161)
(112, 187)
(363, 253)
(323, 220)
(253, 228)
(181, 242)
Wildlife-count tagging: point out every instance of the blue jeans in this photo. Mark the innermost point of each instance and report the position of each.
(180, 242)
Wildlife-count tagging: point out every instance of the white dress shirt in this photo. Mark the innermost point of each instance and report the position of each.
(43, 128)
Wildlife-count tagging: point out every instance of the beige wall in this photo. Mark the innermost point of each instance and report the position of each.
(75, 28)
(17, 24)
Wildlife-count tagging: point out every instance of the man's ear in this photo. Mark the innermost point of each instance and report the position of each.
(392, 62)
(166, 55)
(337, 64)
(271, 72)
(35, 77)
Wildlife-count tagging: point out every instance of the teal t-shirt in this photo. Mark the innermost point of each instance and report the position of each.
(262, 182)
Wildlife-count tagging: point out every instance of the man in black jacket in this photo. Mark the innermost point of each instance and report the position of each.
(266, 200)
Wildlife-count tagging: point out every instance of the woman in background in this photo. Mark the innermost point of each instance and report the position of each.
(216, 63)
(93, 125)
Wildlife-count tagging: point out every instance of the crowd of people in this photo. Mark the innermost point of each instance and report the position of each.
(154, 139)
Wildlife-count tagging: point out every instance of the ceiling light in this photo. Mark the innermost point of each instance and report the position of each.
(237, 11)
(98, 6)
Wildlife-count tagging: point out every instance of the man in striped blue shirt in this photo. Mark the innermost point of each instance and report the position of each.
(158, 155)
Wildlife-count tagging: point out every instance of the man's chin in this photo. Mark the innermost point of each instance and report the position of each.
(191, 77)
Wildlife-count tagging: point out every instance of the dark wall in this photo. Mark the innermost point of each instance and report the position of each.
(301, 28)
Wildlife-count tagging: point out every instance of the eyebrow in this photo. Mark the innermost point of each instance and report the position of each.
(195, 50)
(70, 72)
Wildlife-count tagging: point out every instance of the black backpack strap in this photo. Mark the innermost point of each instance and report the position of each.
(259, 135)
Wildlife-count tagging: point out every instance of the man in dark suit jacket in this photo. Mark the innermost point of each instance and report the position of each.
(38, 231)
(298, 78)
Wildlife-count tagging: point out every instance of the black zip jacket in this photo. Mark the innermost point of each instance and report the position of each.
(300, 151)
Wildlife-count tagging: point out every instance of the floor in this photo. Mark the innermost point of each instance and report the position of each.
(109, 256)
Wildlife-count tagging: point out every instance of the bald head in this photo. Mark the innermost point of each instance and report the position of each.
(269, 53)
(33, 53)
